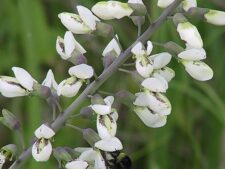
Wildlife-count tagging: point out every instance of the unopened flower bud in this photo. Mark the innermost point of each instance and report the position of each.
(125, 97)
(215, 17)
(10, 120)
(62, 155)
(90, 136)
(86, 112)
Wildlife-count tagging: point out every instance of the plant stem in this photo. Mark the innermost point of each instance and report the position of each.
(91, 88)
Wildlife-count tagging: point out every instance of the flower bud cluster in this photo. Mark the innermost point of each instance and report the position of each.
(151, 105)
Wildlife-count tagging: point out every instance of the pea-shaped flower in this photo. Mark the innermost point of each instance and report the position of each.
(167, 73)
(21, 85)
(157, 102)
(42, 148)
(71, 86)
(84, 23)
(111, 10)
(215, 17)
(65, 47)
(112, 46)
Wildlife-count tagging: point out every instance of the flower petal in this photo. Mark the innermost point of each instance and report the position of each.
(187, 4)
(166, 72)
(106, 126)
(87, 17)
(112, 45)
(24, 78)
(111, 9)
(144, 70)
(81, 71)
(164, 3)
(198, 70)
(138, 50)
(49, 81)
(193, 54)
(99, 161)
(109, 145)
(160, 60)
(101, 109)
(150, 119)
(190, 34)
(154, 84)
(74, 23)
(76, 164)
(42, 150)
(60, 48)
(44, 132)
(149, 47)
(69, 87)
(10, 87)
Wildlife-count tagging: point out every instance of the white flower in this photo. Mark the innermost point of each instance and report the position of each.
(112, 46)
(135, 2)
(44, 132)
(160, 60)
(81, 71)
(103, 109)
(198, 70)
(149, 118)
(76, 164)
(49, 81)
(167, 73)
(106, 126)
(144, 67)
(215, 17)
(2, 160)
(155, 84)
(190, 34)
(109, 144)
(164, 3)
(193, 54)
(84, 23)
(10, 87)
(111, 10)
(139, 50)
(42, 150)
(157, 102)
(65, 47)
(187, 4)
(24, 78)
(69, 87)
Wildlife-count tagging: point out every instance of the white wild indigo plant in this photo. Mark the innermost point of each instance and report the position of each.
(151, 70)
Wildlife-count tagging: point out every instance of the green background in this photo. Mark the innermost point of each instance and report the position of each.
(194, 136)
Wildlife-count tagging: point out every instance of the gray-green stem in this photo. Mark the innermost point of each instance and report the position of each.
(91, 88)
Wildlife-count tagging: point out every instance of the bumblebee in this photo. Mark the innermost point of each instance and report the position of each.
(118, 160)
